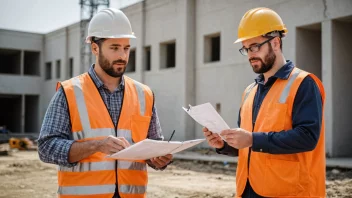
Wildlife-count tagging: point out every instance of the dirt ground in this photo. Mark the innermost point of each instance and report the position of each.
(23, 175)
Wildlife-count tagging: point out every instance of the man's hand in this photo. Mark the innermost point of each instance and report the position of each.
(213, 139)
(112, 144)
(237, 138)
(160, 162)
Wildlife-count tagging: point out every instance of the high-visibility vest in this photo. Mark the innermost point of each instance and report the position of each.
(96, 175)
(280, 175)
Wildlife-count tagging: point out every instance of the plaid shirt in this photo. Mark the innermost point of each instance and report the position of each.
(55, 137)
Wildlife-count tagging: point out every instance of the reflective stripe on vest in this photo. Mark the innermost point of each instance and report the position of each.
(89, 166)
(250, 87)
(81, 104)
(91, 133)
(129, 189)
(141, 97)
(86, 190)
(104, 165)
(131, 165)
(288, 86)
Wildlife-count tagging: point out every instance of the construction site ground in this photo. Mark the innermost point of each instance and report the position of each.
(22, 174)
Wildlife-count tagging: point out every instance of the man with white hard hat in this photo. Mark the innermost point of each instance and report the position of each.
(101, 112)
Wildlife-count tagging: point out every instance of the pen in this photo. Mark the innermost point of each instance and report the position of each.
(189, 108)
(172, 135)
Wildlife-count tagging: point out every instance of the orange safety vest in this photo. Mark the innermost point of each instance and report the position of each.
(95, 176)
(280, 175)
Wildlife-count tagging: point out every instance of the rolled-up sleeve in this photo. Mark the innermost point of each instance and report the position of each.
(154, 131)
(55, 137)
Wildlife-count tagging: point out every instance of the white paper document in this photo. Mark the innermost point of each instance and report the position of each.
(147, 149)
(207, 116)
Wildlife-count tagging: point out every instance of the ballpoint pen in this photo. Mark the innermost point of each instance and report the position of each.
(171, 135)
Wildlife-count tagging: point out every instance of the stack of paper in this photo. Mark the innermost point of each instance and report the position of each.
(147, 149)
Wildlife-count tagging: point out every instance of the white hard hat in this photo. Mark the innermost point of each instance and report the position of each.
(109, 23)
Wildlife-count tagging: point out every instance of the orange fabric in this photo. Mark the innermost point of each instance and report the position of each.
(137, 175)
(97, 157)
(130, 105)
(86, 179)
(288, 175)
(99, 118)
(95, 109)
(88, 196)
(133, 120)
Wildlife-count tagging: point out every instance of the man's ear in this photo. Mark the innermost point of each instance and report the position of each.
(276, 43)
(95, 49)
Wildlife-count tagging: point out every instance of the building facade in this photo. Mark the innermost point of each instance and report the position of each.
(184, 51)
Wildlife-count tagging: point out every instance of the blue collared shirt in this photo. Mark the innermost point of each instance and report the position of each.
(306, 118)
(55, 137)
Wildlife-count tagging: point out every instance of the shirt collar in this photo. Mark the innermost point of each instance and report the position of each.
(99, 83)
(283, 73)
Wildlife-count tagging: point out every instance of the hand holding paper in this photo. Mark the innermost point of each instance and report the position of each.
(148, 149)
(214, 139)
(207, 116)
(162, 161)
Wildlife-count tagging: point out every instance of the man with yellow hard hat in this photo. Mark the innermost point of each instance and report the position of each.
(280, 141)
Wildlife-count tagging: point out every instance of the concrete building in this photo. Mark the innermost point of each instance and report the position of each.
(184, 51)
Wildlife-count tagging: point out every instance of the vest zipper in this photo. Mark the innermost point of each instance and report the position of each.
(118, 118)
(249, 152)
(116, 194)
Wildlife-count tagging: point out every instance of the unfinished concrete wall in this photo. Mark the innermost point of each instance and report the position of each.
(55, 49)
(308, 48)
(10, 106)
(317, 41)
(73, 50)
(31, 122)
(166, 21)
(220, 82)
(31, 65)
(26, 53)
(10, 61)
(342, 96)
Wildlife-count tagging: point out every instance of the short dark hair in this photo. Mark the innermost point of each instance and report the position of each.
(279, 34)
(98, 41)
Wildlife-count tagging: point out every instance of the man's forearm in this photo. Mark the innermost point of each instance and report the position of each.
(81, 150)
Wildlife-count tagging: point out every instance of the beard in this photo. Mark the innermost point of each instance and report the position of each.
(109, 67)
(266, 65)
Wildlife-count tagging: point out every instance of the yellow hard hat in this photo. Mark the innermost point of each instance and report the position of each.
(259, 21)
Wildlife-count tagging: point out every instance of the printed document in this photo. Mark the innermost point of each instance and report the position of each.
(207, 116)
(148, 148)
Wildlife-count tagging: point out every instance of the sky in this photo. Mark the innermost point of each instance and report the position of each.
(43, 16)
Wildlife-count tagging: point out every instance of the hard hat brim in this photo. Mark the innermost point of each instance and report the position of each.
(285, 31)
(88, 39)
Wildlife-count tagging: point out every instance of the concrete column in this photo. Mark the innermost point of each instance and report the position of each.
(327, 78)
(140, 62)
(23, 113)
(342, 97)
(22, 63)
(66, 62)
(189, 65)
